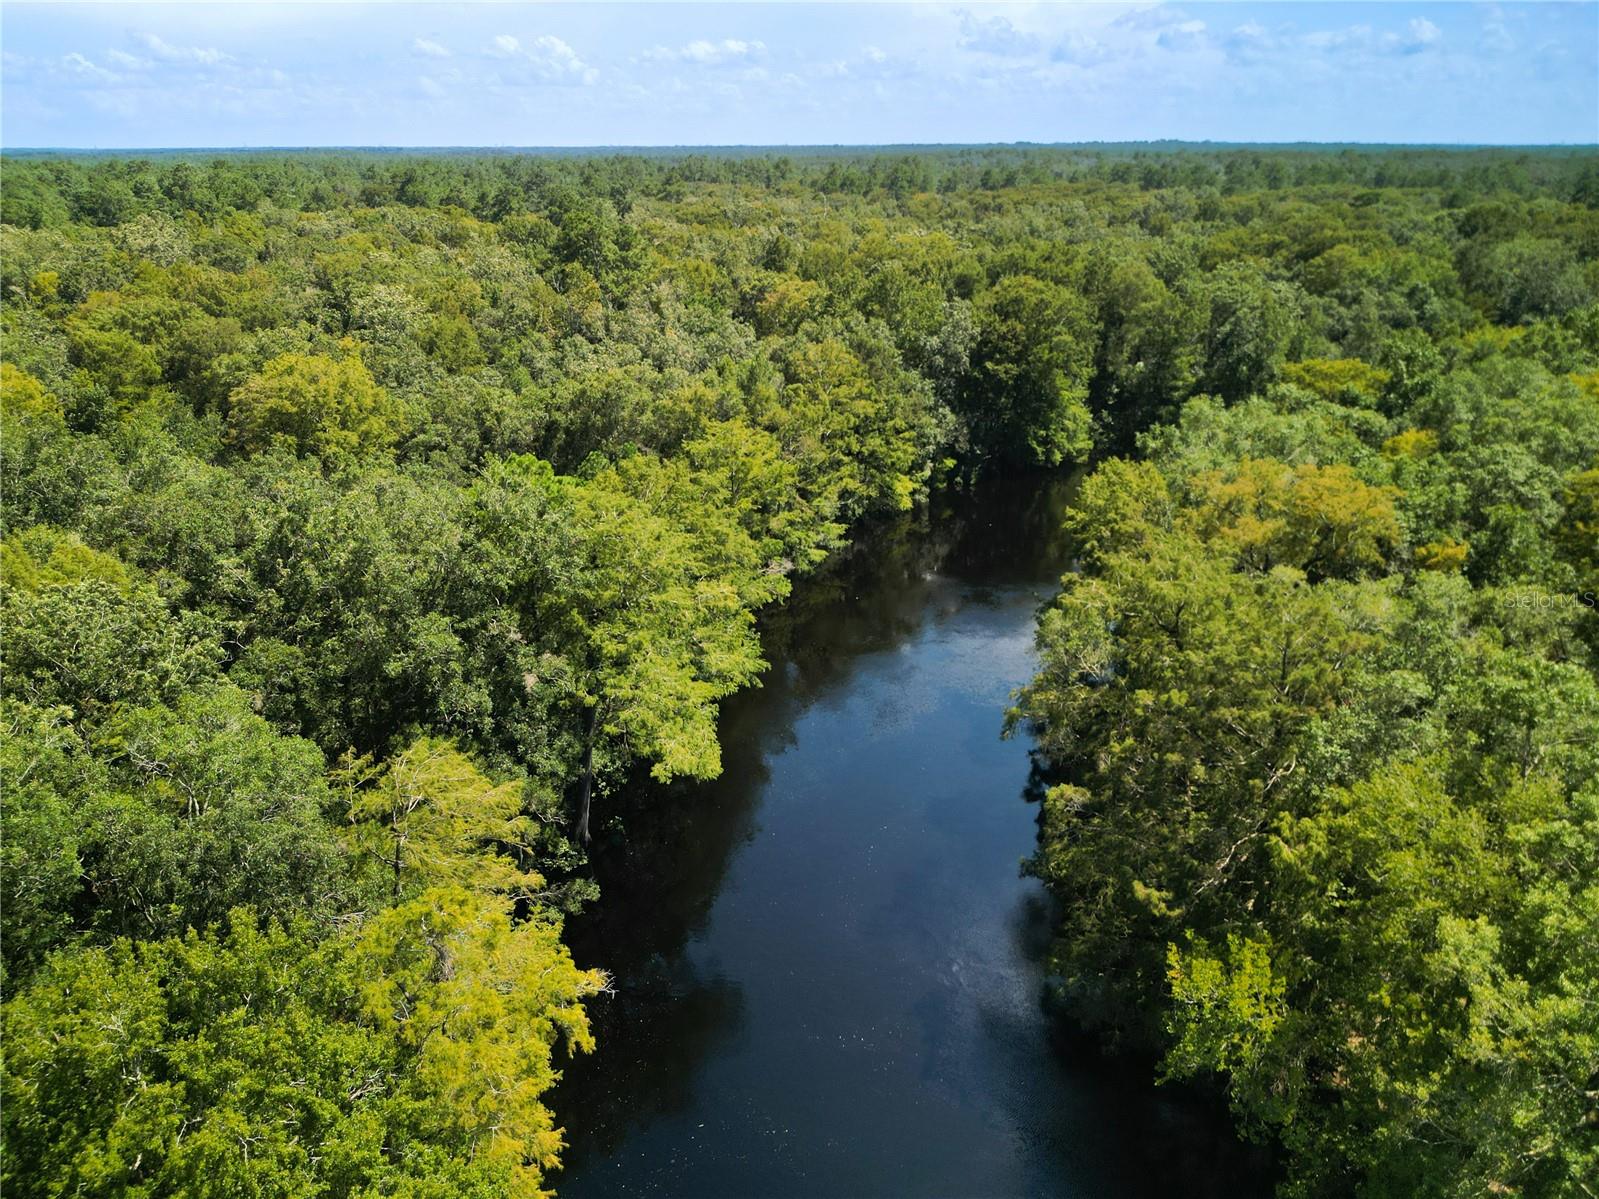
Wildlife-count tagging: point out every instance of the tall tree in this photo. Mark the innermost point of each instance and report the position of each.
(1024, 400)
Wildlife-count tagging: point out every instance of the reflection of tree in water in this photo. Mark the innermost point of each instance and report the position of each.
(873, 596)
(660, 862)
(652, 1037)
(1186, 1145)
(663, 852)
(1190, 1145)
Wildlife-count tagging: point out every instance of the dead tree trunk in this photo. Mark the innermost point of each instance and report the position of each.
(585, 789)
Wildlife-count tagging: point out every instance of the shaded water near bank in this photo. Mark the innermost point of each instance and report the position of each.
(828, 976)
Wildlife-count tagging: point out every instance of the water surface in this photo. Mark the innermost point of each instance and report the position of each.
(827, 964)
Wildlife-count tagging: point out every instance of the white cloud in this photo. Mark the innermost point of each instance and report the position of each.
(706, 52)
(1039, 71)
(1338, 39)
(1079, 49)
(1185, 35)
(82, 67)
(130, 62)
(551, 58)
(1496, 38)
(1249, 39)
(995, 35)
(203, 55)
(1419, 35)
(1161, 16)
(555, 59)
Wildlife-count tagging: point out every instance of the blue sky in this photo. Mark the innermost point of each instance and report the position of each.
(149, 75)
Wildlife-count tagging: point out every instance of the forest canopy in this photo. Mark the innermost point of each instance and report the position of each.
(372, 519)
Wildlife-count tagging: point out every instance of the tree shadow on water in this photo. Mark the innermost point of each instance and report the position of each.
(1098, 1117)
(663, 854)
(653, 1035)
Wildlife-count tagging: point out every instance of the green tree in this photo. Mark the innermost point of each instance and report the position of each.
(315, 405)
(1025, 395)
(1528, 277)
(648, 637)
(159, 820)
(408, 1056)
(1430, 968)
(1253, 326)
(430, 818)
(1179, 695)
(1319, 519)
(45, 772)
(92, 645)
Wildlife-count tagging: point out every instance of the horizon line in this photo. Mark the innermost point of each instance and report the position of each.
(635, 146)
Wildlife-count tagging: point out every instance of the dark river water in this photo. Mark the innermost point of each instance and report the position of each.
(828, 975)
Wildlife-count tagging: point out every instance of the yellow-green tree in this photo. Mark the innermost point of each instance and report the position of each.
(314, 404)
(406, 1055)
(430, 817)
(648, 613)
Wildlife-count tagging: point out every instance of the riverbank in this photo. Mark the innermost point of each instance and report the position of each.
(828, 971)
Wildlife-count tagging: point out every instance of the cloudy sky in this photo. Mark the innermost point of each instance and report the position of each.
(151, 75)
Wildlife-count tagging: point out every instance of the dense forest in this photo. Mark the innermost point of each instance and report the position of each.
(373, 520)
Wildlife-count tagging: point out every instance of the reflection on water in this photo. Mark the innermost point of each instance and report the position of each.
(828, 970)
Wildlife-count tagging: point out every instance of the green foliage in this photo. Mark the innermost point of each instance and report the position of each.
(1030, 367)
(1372, 792)
(1578, 531)
(405, 1057)
(314, 404)
(1225, 1011)
(469, 474)
(1320, 720)
(21, 394)
(45, 557)
(1179, 692)
(657, 638)
(646, 607)
(1319, 519)
(1527, 277)
(206, 807)
(1252, 328)
(1343, 381)
(44, 771)
(431, 819)
(92, 645)
(847, 433)
(161, 820)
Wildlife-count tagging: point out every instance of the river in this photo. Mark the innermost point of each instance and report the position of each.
(828, 975)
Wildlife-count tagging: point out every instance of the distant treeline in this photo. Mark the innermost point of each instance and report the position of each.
(42, 188)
